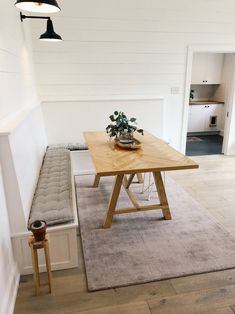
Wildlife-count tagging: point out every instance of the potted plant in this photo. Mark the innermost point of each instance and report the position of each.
(191, 96)
(122, 128)
(38, 228)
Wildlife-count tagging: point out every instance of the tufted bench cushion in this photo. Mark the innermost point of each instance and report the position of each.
(70, 146)
(52, 200)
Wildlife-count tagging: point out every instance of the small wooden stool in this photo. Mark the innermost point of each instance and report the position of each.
(34, 246)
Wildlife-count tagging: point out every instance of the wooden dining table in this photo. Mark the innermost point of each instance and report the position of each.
(153, 157)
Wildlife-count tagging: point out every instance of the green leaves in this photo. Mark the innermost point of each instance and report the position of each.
(191, 96)
(121, 125)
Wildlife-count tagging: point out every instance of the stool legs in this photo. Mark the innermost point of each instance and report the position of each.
(48, 263)
(34, 246)
(35, 268)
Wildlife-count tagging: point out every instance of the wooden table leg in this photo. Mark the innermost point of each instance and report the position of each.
(113, 201)
(96, 181)
(126, 183)
(140, 178)
(162, 195)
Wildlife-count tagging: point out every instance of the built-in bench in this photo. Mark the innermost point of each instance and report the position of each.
(55, 202)
(52, 200)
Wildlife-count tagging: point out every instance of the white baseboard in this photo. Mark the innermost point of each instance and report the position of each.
(8, 304)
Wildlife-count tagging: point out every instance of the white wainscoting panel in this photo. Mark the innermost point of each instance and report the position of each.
(28, 144)
(21, 153)
(66, 121)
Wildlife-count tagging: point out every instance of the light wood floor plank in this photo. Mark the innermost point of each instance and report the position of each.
(224, 310)
(195, 302)
(133, 308)
(66, 303)
(204, 281)
(144, 291)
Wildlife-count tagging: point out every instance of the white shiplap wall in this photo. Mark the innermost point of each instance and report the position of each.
(128, 49)
(18, 88)
(17, 94)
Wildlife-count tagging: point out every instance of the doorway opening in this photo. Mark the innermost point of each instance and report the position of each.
(209, 98)
(207, 104)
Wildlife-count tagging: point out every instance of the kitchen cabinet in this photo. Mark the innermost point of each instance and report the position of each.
(196, 121)
(207, 68)
(205, 118)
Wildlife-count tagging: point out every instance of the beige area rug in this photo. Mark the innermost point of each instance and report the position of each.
(142, 247)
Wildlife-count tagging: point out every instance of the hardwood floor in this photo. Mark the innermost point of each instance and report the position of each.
(213, 185)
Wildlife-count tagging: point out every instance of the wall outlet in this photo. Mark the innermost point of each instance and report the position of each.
(175, 90)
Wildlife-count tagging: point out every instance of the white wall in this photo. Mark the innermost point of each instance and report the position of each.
(17, 95)
(8, 270)
(227, 90)
(22, 147)
(128, 49)
(28, 145)
(226, 77)
(66, 121)
(17, 81)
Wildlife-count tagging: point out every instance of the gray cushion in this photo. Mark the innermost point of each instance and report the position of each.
(70, 146)
(52, 200)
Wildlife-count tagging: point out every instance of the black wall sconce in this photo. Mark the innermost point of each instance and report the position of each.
(50, 34)
(39, 6)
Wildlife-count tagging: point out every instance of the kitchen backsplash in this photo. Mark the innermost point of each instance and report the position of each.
(204, 92)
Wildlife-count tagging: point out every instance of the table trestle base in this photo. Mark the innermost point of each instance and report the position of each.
(96, 181)
(122, 179)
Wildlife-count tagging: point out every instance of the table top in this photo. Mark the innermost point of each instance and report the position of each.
(155, 155)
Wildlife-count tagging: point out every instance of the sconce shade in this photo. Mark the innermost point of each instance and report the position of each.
(50, 34)
(40, 6)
